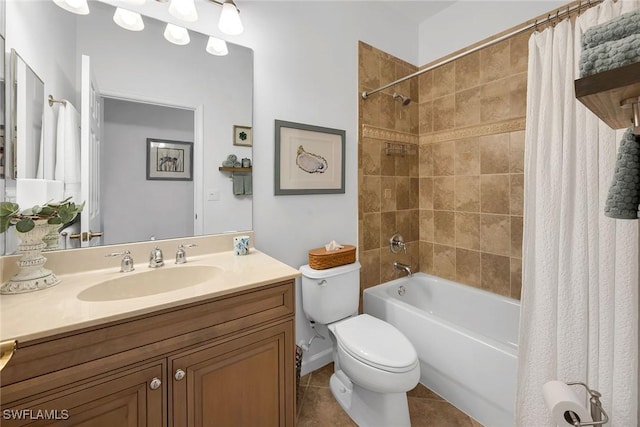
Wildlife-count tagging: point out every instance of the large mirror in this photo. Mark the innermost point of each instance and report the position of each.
(145, 90)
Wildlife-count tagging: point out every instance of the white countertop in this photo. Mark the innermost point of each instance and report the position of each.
(39, 314)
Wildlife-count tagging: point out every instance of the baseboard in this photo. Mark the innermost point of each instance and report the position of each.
(316, 361)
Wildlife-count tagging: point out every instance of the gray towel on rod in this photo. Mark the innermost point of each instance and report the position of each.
(615, 29)
(610, 55)
(248, 184)
(624, 194)
(238, 183)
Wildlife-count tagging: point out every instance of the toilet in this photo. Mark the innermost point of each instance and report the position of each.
(374, 363)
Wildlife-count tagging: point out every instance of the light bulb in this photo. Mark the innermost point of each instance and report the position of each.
(184, 10)
(216, 46)
(128, 20)
(230, 19)
(176, 35)
(79, 7)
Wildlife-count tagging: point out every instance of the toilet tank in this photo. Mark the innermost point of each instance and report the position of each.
(331, 294)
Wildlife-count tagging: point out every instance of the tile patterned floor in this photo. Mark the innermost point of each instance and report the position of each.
(318, 408)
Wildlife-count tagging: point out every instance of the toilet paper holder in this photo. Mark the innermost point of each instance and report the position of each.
(598, 415)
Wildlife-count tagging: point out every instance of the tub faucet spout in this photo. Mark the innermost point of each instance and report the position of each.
(404, 267)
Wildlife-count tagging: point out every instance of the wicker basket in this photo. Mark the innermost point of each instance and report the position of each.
(321, 259)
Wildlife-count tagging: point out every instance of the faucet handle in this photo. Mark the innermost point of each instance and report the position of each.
(126, 265)
(181, 255)
(156, 258)
(396, 242)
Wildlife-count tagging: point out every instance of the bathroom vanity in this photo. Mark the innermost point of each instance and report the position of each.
(217, 352)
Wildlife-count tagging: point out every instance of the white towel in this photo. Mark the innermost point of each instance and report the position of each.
(31, 192)
(68, 148)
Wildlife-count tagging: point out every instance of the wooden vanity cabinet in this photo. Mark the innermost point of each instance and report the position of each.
(228, 361)
(129, 398)
(239, 383)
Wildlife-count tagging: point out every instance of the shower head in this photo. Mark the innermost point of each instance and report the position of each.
(405, 99)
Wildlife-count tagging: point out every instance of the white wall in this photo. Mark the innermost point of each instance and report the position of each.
(469, 21)
(127, 126)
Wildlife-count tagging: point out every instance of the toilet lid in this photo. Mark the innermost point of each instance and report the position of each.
(376, 343)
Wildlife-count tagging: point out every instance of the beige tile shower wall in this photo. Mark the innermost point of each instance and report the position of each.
(471, 125)
(388, 185)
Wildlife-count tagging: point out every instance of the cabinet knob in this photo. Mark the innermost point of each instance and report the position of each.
(180, 374)
(155, 383)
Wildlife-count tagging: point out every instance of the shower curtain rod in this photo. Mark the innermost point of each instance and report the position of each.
(555, 14)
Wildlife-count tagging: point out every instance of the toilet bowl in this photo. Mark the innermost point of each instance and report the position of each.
(375, 364)
(375, 354)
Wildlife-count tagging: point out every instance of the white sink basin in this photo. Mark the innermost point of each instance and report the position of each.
(150, 282)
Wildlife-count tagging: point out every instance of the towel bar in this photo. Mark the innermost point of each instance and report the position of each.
(52, 101)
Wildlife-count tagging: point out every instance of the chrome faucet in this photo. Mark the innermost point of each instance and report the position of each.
(404, 267)
(181, 255)
(126, 265)
(155, 258)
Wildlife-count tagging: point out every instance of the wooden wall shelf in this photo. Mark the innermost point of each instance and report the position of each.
(603, 92)
(225, 169)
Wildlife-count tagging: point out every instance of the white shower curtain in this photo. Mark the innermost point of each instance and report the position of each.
(579, 315)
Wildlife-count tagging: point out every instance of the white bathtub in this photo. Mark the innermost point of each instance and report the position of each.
(466, 339)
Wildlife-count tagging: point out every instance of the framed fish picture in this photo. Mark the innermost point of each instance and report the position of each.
(309, 159)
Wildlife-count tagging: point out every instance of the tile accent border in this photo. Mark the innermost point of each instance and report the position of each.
(369, 131)
(510, 125)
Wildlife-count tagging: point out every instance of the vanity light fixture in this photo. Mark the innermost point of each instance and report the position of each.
(134, 2)
(216, 46)
(79, 7)
(184, 10)
(229, 22)
(128, 20)
(176, 35)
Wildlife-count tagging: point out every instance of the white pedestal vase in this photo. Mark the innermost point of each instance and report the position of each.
(32, 275)
(52, 238)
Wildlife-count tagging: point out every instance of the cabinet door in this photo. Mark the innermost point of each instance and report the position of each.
(126, 399)
(247, 381)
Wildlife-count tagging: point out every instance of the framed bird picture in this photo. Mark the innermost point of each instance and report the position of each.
(308, 159)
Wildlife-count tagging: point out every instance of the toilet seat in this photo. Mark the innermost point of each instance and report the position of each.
(376, 343)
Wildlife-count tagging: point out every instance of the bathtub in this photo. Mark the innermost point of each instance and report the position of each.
(466, 339)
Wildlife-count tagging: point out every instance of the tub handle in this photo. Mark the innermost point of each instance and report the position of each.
(396, 244)
(322, 282)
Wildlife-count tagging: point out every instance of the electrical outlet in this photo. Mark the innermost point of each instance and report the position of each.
(387, 193)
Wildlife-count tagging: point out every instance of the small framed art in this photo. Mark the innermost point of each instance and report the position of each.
(243, 136)
(169, 160)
